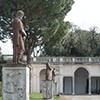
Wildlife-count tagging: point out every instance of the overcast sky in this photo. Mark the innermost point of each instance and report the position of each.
(84, 13)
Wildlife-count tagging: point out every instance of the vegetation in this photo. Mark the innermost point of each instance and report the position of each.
(79, 43)
(46, 29)
(82, 43)
(36, 96)
(43, 21)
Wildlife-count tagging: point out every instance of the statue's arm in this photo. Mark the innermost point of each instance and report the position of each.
(21, 29)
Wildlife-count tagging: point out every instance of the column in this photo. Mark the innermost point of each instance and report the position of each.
(73, 85)
(61, 84)
(38, 84)
(89, 85)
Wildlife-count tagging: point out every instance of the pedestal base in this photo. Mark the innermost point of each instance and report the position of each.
(48, 90)
(15, 83)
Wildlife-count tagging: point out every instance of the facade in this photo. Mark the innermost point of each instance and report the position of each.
(73, 75)
(78, 75)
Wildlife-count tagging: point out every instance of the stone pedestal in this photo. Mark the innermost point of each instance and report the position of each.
(48, 90)
(15, 80)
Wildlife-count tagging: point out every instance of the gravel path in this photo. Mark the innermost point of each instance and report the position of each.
(79, 97)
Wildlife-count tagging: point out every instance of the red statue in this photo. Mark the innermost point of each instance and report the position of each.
(18, 38)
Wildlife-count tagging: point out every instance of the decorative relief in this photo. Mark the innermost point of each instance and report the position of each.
(9, 86)
(20, 87)
(14, 86)
(47, 89)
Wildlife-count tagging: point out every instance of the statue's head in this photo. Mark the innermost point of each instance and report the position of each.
(48, 66)
(20, 14)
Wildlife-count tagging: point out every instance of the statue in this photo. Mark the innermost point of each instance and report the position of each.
(49, 85)
(50, 73)
(54, 75)
(18, 38)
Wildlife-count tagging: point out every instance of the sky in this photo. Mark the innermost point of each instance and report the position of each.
(84, 13)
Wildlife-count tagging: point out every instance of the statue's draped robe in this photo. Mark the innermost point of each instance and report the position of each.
(54, 75)
(48, 72)
(18, 40)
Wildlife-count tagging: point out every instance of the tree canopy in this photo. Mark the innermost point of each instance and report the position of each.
(81, 43)
(43, 20)
(46, 29)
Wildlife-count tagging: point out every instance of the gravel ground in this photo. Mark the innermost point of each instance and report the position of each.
(80, 97)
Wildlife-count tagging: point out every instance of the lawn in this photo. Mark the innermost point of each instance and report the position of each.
(38, 96)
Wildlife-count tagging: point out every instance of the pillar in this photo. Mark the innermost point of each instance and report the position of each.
(73, 85)
(89, 85)
(61, 84)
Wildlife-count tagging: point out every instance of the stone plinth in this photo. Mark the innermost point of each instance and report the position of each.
(15, 82)
(48, 90)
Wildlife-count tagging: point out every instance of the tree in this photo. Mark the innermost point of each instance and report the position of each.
(82, 42)
(52, 45)
(43, 18)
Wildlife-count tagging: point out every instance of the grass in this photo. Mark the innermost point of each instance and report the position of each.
(57, 98)
(38, 96)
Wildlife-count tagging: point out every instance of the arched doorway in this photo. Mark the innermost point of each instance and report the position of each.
(42, 77)
(81, 81)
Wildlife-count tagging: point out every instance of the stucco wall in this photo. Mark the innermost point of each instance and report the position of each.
(62, 70)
